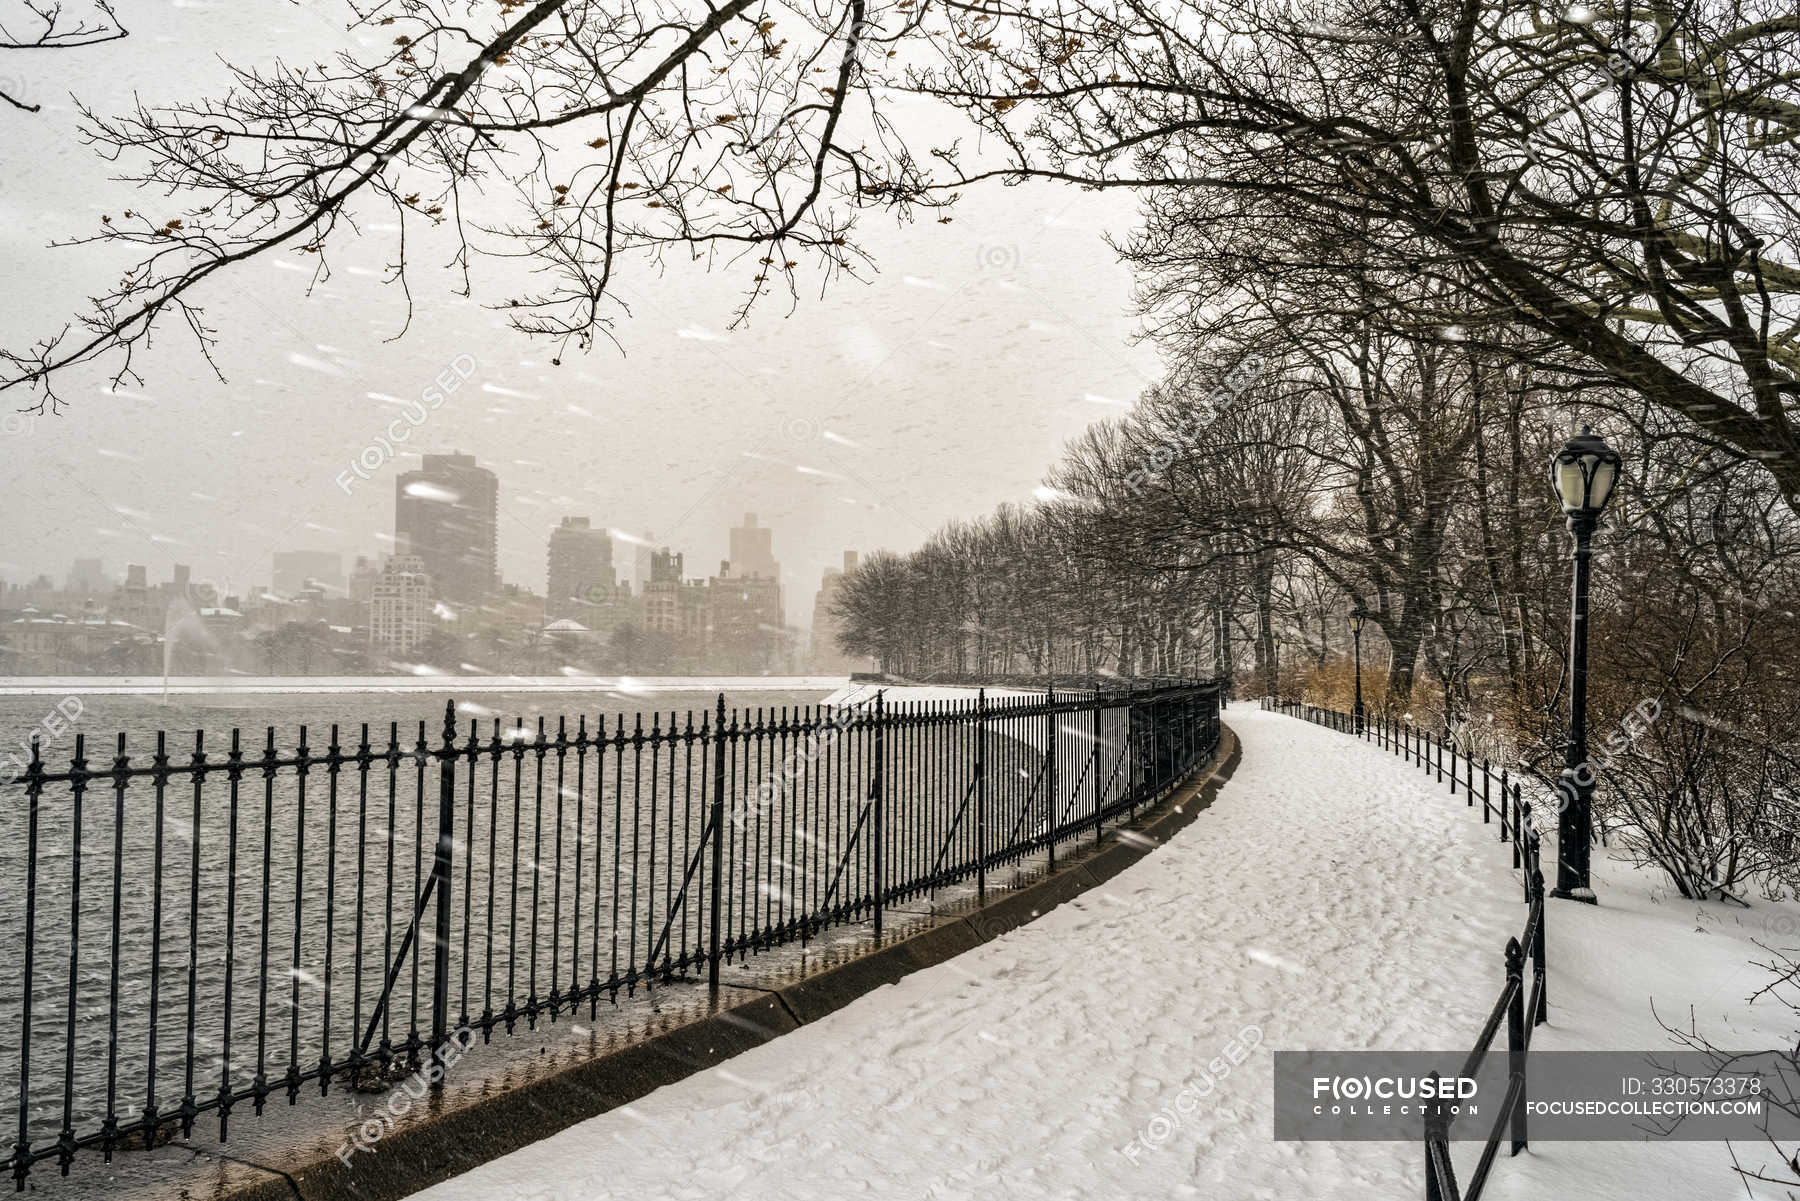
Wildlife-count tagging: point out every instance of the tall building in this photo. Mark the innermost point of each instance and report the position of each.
(293, 568)
(87, 577)
(362, 580)
(134, 602)
(753, 550)
(662, 592)
(676, 608)
(745, 635)
(400, 616)
(447, 515)
(826, 657)
(581, 579)
(641, 553)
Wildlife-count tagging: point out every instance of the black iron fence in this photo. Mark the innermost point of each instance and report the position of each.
(200, 928)
(1520, 1013)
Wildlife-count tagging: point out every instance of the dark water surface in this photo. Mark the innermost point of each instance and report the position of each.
(244, 929)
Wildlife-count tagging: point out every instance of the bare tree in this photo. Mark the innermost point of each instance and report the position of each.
(36, 25)
(1618, 181)
(628, 127)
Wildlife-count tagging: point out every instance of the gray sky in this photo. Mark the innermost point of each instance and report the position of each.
(863, 420)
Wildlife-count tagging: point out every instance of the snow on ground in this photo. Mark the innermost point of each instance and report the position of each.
(1331, 898)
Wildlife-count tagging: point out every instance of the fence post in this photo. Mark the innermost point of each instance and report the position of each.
(1452, 767)
(717, 818)
(1440, 762)
(1187, 741)
(1131, 745)
(981, 793)
(34, 786)
(1050, 768)
(1505, 793)
(1515, 1036)
(1437, 1132)
(1486, 817)
(875, 801)
(1518, 813)
(1540, 966)
(440, 870)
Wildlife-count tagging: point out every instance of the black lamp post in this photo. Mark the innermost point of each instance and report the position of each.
(1357, 619)
(1583, 474)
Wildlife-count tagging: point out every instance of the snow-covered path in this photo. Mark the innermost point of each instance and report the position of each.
(1330, 899)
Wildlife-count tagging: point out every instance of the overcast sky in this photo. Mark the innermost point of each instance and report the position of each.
(863, 420)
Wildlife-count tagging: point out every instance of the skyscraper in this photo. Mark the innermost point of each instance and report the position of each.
(753, 550)
(748, 615)
(87, 578)
(447, 514)
(581, 575)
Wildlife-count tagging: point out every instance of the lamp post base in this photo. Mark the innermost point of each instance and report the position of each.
(1584, 895)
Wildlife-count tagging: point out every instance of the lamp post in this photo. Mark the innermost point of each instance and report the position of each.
(1275, 664)
(1583, 474)
(1357, 619)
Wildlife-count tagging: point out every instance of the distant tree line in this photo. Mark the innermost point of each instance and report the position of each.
(1026, 591)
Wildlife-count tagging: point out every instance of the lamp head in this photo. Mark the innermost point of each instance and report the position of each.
(1583, 473)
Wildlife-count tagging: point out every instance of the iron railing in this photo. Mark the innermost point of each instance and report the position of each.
(1512, 1006)
(199, 929)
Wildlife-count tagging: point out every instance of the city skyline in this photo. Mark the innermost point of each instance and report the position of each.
(334, 569)
(436, 604)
